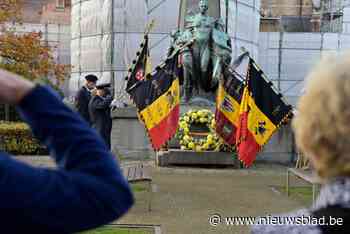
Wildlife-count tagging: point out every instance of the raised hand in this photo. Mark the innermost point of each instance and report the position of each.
(13, 87)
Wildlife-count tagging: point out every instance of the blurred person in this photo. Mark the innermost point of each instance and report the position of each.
(322, 132)
(84, 96)
(100, 112)
(85, 191)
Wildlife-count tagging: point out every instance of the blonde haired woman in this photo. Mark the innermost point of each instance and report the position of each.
(322, 129)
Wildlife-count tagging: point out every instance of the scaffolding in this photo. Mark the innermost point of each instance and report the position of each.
(325, 16)
(287, 58)
(331, 14)
(106, 34)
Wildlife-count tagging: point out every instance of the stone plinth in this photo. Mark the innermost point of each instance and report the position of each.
(129, 138)
(190, 158)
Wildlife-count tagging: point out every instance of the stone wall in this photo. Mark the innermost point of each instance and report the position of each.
(280, 149)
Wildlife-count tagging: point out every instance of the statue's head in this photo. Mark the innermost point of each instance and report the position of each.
(203, 6)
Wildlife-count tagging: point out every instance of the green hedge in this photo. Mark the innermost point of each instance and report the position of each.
(17, 138)
(13, 114)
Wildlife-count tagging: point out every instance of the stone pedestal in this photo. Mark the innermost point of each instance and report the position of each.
(190, 158)
(130, 141)
(177, 157)
(198, 103)
(129, 138)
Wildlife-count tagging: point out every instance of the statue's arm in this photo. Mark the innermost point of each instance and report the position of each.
(219, 24)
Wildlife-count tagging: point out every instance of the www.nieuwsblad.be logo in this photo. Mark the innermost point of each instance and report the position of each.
(217, 219)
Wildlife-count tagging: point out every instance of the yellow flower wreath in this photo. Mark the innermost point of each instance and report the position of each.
(188, 142)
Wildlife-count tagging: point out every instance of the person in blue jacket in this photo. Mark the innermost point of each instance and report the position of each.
(87, 189)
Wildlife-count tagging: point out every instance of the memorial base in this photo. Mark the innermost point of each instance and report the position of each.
(200, 159)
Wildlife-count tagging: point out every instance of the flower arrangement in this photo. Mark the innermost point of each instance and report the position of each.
(206, 141)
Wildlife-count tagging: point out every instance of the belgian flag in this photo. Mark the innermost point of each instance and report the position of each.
(227, 108)
(158, 102)
(262, 112)
(141, 66)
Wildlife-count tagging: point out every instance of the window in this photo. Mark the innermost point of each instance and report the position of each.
(60, 4)
(191, 7)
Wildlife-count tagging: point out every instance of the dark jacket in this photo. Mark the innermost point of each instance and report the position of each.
(100, 115)
(82, 103)
(88, 188)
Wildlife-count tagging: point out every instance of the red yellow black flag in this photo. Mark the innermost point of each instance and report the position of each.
(227, 108)
(262, 111)
(158, 102)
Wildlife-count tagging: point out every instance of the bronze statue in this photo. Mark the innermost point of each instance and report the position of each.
(205, 59)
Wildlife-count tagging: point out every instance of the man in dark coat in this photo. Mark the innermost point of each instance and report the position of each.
(84, 95)
(100, 112)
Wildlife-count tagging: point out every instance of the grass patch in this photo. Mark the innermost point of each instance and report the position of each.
(300, 193)
(137, 188)
(111, 230)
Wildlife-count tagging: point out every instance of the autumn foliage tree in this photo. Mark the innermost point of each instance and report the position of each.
(9, 10)
(26, 54)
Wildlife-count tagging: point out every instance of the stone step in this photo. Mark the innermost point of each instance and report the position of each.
(191, 158)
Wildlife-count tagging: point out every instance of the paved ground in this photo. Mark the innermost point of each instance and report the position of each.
(185, 198)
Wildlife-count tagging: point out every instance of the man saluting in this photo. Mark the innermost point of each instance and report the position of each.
(84, 95)
(100, 112)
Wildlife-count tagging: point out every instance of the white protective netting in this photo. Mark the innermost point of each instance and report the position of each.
(106, 34)
(346, 17)
(287, 58)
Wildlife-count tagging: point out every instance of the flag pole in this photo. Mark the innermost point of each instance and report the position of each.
(149, 27)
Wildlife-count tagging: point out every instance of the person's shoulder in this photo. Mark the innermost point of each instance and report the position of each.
(95, 99)
(82, 88)
(292, 229)
(81, 91)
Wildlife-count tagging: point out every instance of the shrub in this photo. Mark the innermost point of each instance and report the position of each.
(17, 138)
(13, 114)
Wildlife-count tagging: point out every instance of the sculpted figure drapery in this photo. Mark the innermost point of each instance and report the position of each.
(205, 59)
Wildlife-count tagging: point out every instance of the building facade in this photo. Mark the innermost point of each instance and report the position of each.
(302, 15)
(46, 11)
(52, 19)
